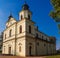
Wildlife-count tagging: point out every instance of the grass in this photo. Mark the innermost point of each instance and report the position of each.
(54, 56)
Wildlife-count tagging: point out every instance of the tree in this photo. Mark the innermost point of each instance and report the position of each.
(55, 13)
(58, 51)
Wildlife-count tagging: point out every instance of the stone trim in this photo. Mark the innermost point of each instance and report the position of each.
(9, 26)
(9, 40)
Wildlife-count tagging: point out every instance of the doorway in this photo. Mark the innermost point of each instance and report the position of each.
(9, 50)
(30, 50)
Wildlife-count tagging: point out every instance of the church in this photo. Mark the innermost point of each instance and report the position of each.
(22, 38)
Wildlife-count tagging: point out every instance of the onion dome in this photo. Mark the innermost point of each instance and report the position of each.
(25, 6)
(10, 16)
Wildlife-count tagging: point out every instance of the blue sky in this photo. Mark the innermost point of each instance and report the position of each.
(40, 10)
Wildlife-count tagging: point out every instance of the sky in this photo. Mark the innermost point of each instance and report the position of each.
(40, 15)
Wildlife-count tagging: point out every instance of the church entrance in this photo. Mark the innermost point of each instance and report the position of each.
(9, 50)
(30, 48)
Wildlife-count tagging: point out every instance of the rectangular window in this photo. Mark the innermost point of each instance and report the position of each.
(10, 32)
(20, 29)
(4, 49)
(29, 29)
(29, 17)
(19, 48)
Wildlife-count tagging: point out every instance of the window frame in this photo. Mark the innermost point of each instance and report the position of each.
(29, 29)
(20, 29)
(19, 48)
(10, 33)
(21, 17)
(29, 17)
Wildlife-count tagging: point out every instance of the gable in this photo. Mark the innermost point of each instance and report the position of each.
(10, 22)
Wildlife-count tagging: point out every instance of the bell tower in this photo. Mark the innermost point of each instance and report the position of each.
(25, 12)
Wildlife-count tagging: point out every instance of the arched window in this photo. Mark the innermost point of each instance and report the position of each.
(19, 48)
(20, 28)
(29, 17)
(9, 50)
(10, 33)
(30, 50)
(29, 29)
(4, 49)
(21, 17)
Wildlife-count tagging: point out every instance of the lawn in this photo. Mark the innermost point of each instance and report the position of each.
(55, 56)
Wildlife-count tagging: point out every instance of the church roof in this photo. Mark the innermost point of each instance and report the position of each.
(10, 16)
(25, 6)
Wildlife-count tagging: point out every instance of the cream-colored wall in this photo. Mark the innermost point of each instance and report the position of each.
(32, 27)
(53, 48)
(21, 13)
(41, 49)
(25, 14)
(22, 22)
(7, 45)
(9, 41)
(13, 27)
(28, 42)
(49, 48)
(25, 38)
(21, 42)
(10, 22)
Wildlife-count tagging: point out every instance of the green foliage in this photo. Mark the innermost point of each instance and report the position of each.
(55, 3)
(59, 26)
(55, 14)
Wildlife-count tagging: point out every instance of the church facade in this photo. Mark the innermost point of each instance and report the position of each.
(24, 39)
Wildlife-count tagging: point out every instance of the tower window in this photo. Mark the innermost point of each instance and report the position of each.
(19, 48)
(10, 33)
(28, 16)
(21, 17)
(29, 29)
(20, 28)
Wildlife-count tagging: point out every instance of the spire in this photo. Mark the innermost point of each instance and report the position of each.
(25, 2)
(10, 16)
